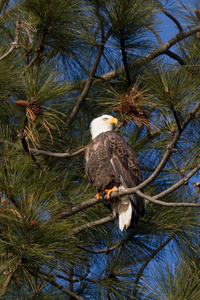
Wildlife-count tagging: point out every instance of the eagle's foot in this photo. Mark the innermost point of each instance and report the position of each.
(98, 195)
(108, 192)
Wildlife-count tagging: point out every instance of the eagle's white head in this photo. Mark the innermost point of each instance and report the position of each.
(102, 124)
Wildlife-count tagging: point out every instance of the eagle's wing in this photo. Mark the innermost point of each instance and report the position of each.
(125, 164)
(99, 169)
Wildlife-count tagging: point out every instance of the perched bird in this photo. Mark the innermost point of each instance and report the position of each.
(111, 165)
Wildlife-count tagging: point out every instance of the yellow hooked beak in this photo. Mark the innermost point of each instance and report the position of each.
(113, 121)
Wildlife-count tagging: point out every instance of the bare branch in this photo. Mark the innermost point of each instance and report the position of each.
(39, 50)
(169, 204)
(106, 250)
(170, 148)
(15, 44)
(174, 187)
(67, 154)
(155, 53)
(50, 278)
(94, 201)
(71, 272)
(176, 57)
(79, 207)
(124, 59)
(94, 223)
(171, 17)
(156, 35)
(88, 83)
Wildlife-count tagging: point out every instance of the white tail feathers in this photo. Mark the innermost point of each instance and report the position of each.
(123, 208)
(125, 213)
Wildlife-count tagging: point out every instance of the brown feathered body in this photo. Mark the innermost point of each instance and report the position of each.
(110, 161)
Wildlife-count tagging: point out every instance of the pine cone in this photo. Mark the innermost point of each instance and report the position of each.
(35, 107)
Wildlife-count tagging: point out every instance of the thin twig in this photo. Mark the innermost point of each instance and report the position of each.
(3, 5)
(12, 273)
(176, 119)
(176, 57)
(49, 279)
(79, 207)
(125, 62)
(21, 136)
(94, 223)
(106, 250)
(71, 272)
(171, 17)
(169, 204)
(174, 187)
(156, 34)
(67, 154)
(39, 49)
(89, 81)
(14, 45)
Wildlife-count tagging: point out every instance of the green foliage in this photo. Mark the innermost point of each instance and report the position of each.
(51, 246)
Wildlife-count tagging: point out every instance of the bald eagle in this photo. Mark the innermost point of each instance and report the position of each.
(111, 165)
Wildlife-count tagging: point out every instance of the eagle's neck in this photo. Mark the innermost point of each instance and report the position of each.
(96, 130)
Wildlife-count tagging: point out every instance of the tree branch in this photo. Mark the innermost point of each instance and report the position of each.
(67, 154)
(155, 53)
(171, 17)
(174, 187)
(21, 136)
(71, 272)
(171, 146)
(169, 204)
(79, 207)
(4, 288)
(3, 5)
(88, 83)
(15, 44)
(124, 59)
(39, 49)
(176, 57)
(129, 191)
(106, 250)
(94, 223)
(49, 279)
(148, 260)
(156, 34)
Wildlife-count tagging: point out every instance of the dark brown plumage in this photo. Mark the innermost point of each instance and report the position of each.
(110, 161)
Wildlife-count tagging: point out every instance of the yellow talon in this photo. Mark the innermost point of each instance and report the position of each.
(97, 195)
(108, 192)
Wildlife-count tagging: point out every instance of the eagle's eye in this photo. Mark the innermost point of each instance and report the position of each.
(105, 119)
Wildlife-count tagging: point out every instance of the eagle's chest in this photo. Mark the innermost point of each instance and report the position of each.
(99, 169)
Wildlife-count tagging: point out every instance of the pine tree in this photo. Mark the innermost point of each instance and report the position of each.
(62, 63)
